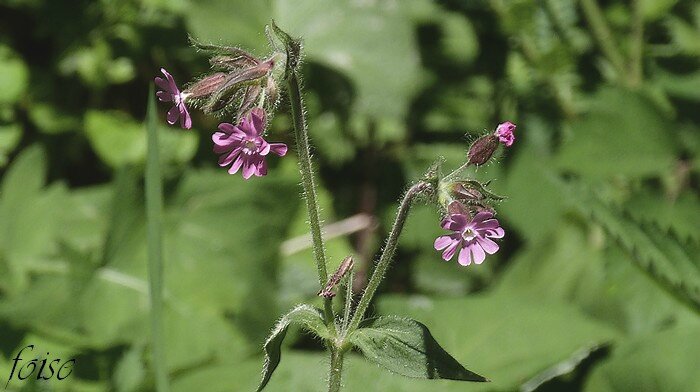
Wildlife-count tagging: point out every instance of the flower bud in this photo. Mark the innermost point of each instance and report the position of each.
(504, 133)
(207, 85)
(482, 149)
(467, 193)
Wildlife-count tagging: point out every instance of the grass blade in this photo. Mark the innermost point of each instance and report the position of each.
(154, 214)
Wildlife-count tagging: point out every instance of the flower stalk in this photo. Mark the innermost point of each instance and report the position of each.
(301, 136)
(387, 254)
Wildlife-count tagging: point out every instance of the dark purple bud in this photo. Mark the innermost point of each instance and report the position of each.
(482, 149)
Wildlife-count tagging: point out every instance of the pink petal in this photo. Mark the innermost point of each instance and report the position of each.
(478, 253)
(226, 159)
(450, 251)
(465, 257)
(248, 169)
(455, 222)
(236, 165)
(261, 169)
(258, 120)
(185, 119)
(489, 224)
(488, 245)
(226, 128)
(495, 233)
(278, 148)
(482, 216)
(246, 126)
(222, 139)
(173, 115)
(164, 96)
(264, 148)
(171, 82)
(442, 242)
(163, 85)
(232, 130)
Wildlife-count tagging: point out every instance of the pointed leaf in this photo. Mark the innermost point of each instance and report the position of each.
(406, 347)
(305, 315)
(673, 265)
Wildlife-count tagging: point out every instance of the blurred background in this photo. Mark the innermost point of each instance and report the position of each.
(596, 286)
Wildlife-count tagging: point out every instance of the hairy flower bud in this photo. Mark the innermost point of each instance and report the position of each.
(207, 85)
(482, 149)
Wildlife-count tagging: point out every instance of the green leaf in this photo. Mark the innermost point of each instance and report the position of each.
(115, 137)
(129, 373)
(305, 315)
(648, 207)
(514, 338)
(664, 361)
(230, 22)
(14, 76)
(574, 264)
(406, 347)
(656, 9)
(23, 203)
(379, 59)
(10, 136)
(535, 203)
(621, 127)
(51, 120)
(673, 265)
(119, 140)
(459, 40)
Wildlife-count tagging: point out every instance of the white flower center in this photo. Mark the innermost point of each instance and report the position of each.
(249, 146)
(468, 234)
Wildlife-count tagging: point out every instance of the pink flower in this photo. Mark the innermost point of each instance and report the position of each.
(170, 93)
(471, 236)
(244, 146)
(505, 134)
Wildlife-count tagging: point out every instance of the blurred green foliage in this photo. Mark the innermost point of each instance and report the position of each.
(597, 285)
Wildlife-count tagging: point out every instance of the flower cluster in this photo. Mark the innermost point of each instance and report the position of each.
(246, 87)
(241, 84)
(469, 216)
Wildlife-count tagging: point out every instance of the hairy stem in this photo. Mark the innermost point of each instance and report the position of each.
(387, 254)
(348, 300)
(336, 371)
(301, 136)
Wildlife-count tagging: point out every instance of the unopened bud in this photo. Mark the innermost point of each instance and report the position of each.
(345, 266)
(207, 85)
(466, 193)
(482, 149)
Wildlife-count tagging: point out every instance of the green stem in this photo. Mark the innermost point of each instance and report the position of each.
(387, 254)
(154, 213)
(603, 35)
(456, 172)
(307, 179)
(336, 371)
(348, 300)
(637, 50)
